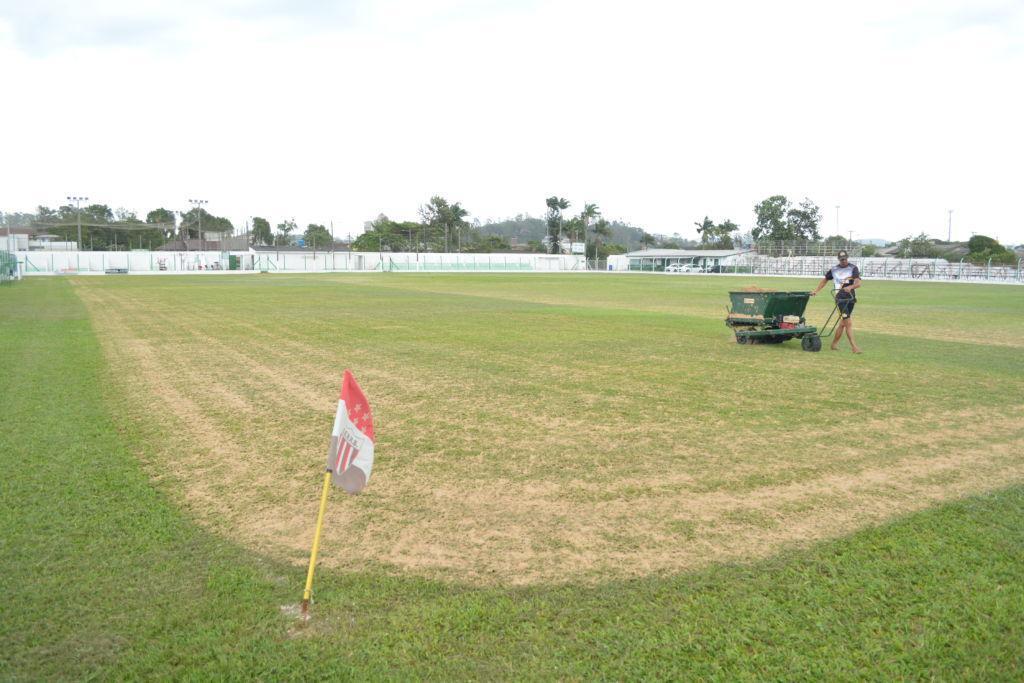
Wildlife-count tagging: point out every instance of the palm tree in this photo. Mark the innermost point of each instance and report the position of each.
(601, 229)
(706, 230)
(590, 212)
(555, 207)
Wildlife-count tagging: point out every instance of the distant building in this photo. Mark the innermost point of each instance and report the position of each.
(30, 239)
(705, 260)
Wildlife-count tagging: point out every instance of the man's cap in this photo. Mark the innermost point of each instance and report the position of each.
(843, 254)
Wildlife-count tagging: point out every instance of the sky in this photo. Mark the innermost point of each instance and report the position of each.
(658, 112)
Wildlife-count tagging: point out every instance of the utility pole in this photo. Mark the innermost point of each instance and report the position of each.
(198, 204)
(949, 237)
(78, 216)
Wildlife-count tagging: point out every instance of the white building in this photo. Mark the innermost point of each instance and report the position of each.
(707, 260)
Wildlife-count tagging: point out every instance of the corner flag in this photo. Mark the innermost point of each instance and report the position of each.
(350, 454)
(349, 461)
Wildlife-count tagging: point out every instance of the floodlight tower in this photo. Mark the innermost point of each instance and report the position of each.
(78, 216)
(198, 204)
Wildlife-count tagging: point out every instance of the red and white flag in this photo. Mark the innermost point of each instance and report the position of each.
(350, 455)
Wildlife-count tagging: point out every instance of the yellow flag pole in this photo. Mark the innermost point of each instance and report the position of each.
(307, 594)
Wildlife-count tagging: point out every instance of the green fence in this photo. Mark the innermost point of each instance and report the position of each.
(8, 267)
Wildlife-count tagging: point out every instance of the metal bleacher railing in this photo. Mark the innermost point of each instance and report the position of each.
(890, 268)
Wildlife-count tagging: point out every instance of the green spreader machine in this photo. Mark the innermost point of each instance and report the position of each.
(760, 317)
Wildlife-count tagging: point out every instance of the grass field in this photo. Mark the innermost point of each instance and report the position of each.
(576, 476)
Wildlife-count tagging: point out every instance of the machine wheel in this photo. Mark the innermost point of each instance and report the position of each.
(741, 339)
(811, 342)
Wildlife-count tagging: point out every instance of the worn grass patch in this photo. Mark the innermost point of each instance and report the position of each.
(563, 428)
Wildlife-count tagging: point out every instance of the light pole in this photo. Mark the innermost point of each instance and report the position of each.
(198, 204)
(949, 237)
(78, 217)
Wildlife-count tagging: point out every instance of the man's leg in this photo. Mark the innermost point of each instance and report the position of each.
(849, 335)
(838, 337)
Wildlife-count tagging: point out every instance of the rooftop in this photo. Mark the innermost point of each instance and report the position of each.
(663, 253)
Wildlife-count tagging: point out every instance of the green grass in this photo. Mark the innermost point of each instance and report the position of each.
(102, 575)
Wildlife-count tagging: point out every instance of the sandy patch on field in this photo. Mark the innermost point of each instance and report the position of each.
(458, 494)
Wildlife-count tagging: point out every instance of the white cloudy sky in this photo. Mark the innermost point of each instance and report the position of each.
(660, 112)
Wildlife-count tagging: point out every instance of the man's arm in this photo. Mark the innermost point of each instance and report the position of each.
(820, 285)
(853, 286)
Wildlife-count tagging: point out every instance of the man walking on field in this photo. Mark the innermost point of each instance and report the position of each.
(846, 278)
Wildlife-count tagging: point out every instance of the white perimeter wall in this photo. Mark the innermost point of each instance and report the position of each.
(84, 262)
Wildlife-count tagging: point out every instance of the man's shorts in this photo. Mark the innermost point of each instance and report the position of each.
(845, 306)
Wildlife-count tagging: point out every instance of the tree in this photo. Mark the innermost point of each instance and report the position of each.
(441, 217)
(521, 228)
(602, 231)
(921, 246)
(165, 219)
(982, 248)
(572, 227)
(980, 243)
(94, 219)
(706, 230)
(778, 220)
(589, 213)
(556, 205)
(383, 234)
(836, 242)
(804, 220)
(317, 236)
(771, 218)
(198, 216)
(138, 234)
(723, 234)
(16, 219)
(488, 244)
(647, 239)
(716, 236)
(261, 233)
(284, 238)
